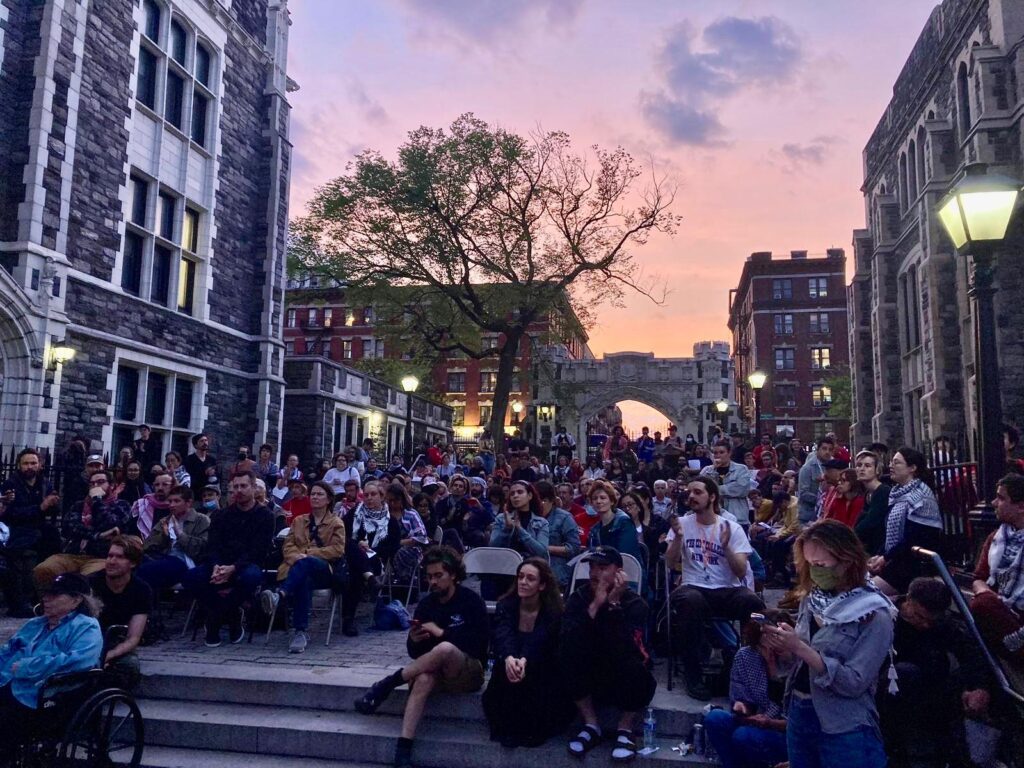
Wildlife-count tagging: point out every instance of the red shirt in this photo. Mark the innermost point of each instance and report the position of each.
(585, 522)
(295, 507)
(843, 509)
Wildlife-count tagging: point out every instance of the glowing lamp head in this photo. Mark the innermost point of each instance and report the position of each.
(722, 406)
(410, 383)
(517, 407)
(757, 379)
(979, 206)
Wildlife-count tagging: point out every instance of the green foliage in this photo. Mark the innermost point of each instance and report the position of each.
(841, 385)
(391, 371)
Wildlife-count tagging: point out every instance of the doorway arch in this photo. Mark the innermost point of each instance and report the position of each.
(20, 368)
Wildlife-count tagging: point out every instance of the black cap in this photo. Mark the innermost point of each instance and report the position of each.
(69, 584)
(604, 555)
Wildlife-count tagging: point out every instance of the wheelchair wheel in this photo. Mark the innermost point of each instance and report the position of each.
(105, 731)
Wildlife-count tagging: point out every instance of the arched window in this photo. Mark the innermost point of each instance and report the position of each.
(903, 181)
(151, 22)
(963, 102)
(921, 171)
(912, 172)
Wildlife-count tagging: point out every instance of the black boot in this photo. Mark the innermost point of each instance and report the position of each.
(403, 753)
(378, 693)
(348, 626)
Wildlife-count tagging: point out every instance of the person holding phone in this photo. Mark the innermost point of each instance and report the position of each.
(753, 730)
(522, 525)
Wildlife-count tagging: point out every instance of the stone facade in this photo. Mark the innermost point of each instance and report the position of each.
(89, 166)
(331, 406)
(957, 101)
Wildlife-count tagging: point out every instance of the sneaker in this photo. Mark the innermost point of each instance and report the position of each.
(299, 642)
(269, 600)
(236, 630)
(212, 636)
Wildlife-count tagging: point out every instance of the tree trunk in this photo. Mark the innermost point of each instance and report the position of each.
(506, 369)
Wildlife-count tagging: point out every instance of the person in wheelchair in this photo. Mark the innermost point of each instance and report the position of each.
(313, 553)
(66, 638)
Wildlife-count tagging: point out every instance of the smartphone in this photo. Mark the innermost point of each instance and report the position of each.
(416, 623)
(760, 619)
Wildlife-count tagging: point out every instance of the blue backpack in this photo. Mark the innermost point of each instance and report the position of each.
(390, 616)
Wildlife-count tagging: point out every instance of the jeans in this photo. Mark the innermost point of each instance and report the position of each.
(743, 746)
(307, 574)
(162, 573)
(222, 601)
(488, 461)
(810, 747)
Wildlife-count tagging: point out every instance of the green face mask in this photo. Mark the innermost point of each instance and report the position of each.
(824, 577)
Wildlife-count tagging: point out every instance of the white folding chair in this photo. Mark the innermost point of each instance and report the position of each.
(630, 565)
(335, 601)
(491, 561)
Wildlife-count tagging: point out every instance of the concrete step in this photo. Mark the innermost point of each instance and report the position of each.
(312, 733)
(334, 690)
(174, 757)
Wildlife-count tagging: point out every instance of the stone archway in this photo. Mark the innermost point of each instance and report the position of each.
(21, 368)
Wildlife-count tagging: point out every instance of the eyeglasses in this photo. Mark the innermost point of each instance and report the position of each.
(98, 482)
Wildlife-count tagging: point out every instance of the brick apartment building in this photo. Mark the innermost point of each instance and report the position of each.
(144, 173)
(788, 319)
(320, 321)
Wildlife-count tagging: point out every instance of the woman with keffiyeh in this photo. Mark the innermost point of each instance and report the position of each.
(914, 520)
(844, 631)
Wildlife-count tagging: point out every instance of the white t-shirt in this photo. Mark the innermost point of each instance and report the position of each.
(704, 561)
(336, 478)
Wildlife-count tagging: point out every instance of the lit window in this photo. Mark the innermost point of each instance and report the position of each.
(311, 317)
(291, 318)
(346, 349)
(350, 317)
(817, 287)
(488, 380)
(821, 396)
(328, 317)
(820, 358)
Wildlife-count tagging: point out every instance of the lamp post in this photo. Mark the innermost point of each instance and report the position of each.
(517, 409)
(756, 381)
(722, 406)
(976, 214)
(409, 384)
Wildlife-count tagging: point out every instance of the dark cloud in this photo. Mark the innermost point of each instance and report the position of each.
(814, 152)
(369, 108)
(474, 21)
(700, 69)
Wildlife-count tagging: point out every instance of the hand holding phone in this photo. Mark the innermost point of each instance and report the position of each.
(762, 620)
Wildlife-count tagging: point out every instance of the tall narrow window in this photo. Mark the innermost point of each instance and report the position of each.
(921, 173)
(183, 390)
(912, 171)
(131, 267)
(165, 226)
(186, 286)
(151, 23)
(190, 231)
(161, 284)
(156, 398)
(178, 42)
(140, 197)
(174, 103)
(200, 105)
(145, 86)
(963, 102)
(127, 395)
(202, 65)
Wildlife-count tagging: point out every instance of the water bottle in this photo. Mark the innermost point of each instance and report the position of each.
(650, 725)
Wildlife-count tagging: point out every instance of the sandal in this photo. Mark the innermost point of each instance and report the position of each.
(584, 741)
(625, 748)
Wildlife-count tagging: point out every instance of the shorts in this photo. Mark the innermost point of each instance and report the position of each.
(470, 677)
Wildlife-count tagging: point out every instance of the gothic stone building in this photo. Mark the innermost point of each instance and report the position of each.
(144, 168)
(958, 100)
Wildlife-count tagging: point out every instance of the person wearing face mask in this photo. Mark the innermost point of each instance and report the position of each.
(176, 543)
(843, 634)
(210, 504)
(522, 527)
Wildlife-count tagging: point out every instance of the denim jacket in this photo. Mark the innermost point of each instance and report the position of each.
(74, 646)
(532, 541)
(563, 532)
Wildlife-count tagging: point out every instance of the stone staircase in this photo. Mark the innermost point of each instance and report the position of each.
(294, 716)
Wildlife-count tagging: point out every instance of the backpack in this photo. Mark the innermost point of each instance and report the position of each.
(391, 615)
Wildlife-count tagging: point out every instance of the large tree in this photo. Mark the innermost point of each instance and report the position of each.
(475, 233)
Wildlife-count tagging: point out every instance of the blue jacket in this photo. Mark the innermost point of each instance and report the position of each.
(563, 532)
(74, 646)
(531, 541)
(621, 534)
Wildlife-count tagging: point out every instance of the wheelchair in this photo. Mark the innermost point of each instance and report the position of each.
(84, 720)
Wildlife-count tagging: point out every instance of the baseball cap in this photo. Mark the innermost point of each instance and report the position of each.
(428, 482)
(94, 458)
(69, 584)
(604, 555)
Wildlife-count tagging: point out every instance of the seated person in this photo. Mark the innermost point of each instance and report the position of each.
(151, 508)
(175, 544)
(87, 530)
(448, 642)
(313, 549)
(603, 656)
(920, 717)
(126, 600)
(298, 504)
(998, 603)
(240, 538)
(563, 533)
(525, 701)
(521, 526)
(714, 555)
(613, 527)
(66, 638)
(753, 730)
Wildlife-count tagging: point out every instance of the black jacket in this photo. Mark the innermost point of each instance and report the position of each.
(240, 538)
(463, 619)
(620, 632)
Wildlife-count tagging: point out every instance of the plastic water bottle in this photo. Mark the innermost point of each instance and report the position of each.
(650, 727)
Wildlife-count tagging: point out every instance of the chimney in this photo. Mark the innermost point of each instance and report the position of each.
(761, 256)
(836, 253)
(798, 255)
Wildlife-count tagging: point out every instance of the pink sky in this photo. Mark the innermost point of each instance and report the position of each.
(757, 110)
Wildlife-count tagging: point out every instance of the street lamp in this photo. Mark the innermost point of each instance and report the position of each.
(756, 381)
(517, 409)
(976, 214)
(722, 406)
(409, 384)
(60, 353)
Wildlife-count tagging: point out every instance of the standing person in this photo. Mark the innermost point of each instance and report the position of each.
(28, 498)
(613, 527)
(713, 554)
(265, 467)
(312, 555)
(809, 479)
(645, 446)
(843, 634)
(243, 462)
(733, 481)
(175, 544)
(914, 520)
(522, 527)
(870, 526)
(485, 450)
(200, 464)
(126, 600)
(240, 539)
(603, 656)
(147, 447)
(563, 533)
(448, 644)
(525, 701)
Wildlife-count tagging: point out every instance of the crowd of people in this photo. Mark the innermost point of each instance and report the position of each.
(851, 664)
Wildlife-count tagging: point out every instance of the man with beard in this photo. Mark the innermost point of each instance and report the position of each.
(240, 539)
(88, 530)
(26, 500)
(448, 642)
(151, 508)
(126, 600)
(732, 481)
(712, 553)
(200, 465)
(77, 486)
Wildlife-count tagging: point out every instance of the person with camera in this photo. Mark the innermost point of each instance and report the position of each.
(447, 642)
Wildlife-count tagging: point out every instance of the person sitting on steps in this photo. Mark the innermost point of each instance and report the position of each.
(448, 644)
